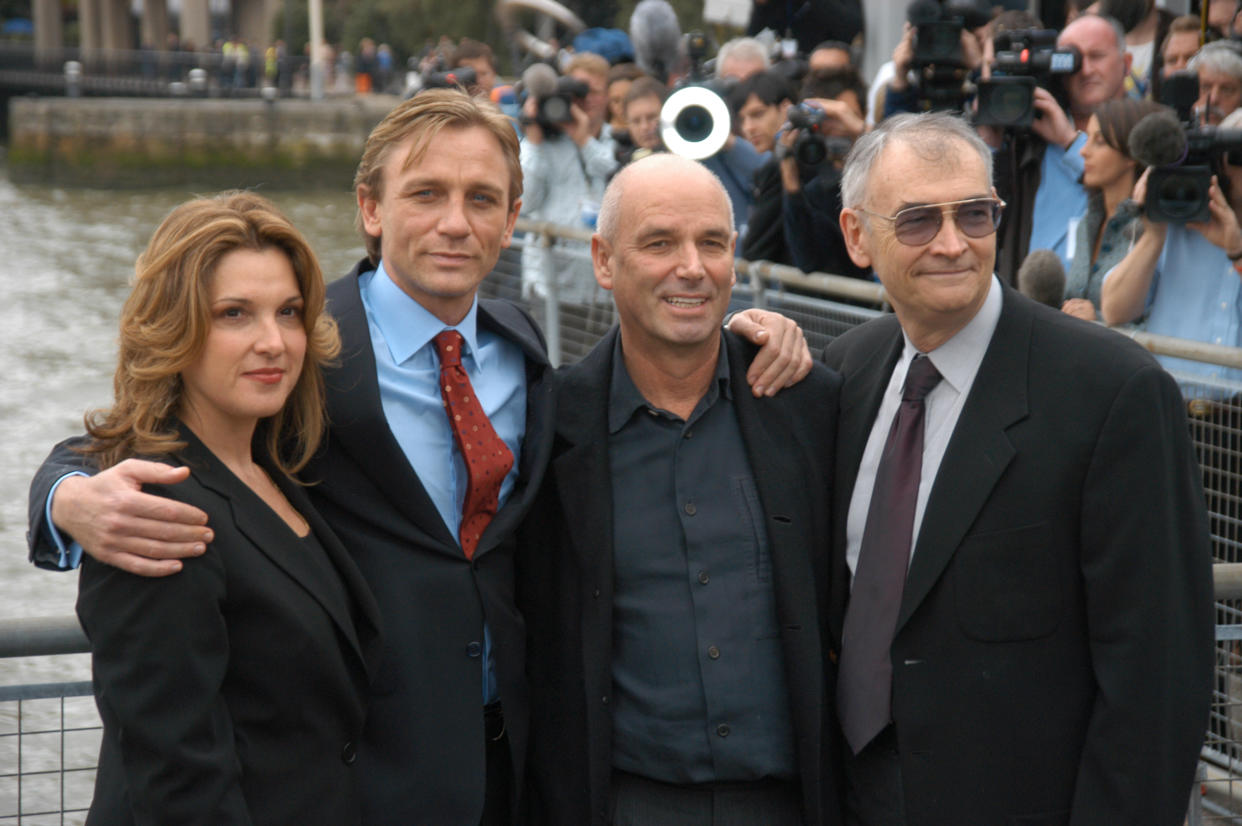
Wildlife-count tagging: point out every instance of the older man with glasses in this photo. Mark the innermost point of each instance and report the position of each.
(1024, 611)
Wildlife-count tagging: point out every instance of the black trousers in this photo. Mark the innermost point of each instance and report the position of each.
(498, 797)
(638, 801)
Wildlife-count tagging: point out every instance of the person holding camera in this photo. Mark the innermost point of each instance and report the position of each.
(812, 150)
(565, 166)
(1038, 171)
(1186, 277)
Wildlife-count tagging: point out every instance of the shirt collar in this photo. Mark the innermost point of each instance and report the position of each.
(408, 326)
(624, 397)
(958, 359)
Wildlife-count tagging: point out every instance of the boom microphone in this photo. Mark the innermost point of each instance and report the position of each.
(656, 37)
(539, 80)
(1158, 140)
(1042, 278)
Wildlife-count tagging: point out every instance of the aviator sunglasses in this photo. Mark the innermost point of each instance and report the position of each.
(917, 225)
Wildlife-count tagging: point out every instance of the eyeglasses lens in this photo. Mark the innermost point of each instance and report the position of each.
(918, 225)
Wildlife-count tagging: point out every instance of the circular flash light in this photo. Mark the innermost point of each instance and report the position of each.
(695, 122)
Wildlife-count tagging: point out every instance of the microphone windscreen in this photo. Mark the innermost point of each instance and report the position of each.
(921, 12)
(1042, 278)
(539, 80)
(656, 37)
(1158, 140)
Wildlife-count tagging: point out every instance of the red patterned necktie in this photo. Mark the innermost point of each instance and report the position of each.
(486, 455)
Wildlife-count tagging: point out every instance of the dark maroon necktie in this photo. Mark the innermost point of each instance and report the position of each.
(486, 455)
(865, 681)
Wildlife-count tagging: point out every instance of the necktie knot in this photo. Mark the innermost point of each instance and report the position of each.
(448, 347)
(921, 378)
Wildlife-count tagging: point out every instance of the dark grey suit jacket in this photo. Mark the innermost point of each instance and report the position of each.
(565, 572)
(1053, 655)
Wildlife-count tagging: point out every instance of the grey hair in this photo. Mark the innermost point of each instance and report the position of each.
(606, 224)
(744, 48)
(929, 135)
(1221, 57)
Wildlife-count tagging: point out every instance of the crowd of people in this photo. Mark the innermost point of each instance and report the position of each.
(359, 554)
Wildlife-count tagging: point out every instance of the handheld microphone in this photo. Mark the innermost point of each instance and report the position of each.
(1042, 278)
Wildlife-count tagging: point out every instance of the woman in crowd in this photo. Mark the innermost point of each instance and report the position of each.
(233, 691)
(1112, 224)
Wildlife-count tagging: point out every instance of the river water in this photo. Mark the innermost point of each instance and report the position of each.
(66, 256)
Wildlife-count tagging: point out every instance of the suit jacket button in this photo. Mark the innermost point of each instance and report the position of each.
(473, 649)
(348, 754)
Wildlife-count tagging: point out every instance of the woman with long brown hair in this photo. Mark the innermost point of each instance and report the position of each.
(233, 691)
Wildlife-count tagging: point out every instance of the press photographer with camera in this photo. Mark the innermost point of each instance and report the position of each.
(565, 166)
(1039, 167)
(811, 152)
(1219, 68)
(1185, 276)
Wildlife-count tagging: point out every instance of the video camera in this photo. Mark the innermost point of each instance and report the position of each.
(437, 75)
(1025, 58)
(813, 148)
(555, 96)
(695, 121)
(942, 77)
(1182, 153)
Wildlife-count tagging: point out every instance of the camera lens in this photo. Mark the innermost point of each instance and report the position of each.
(1179, 197)
(694, 123)
(1010, 103)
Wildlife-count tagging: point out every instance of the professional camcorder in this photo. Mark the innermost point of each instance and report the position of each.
(437, 75)
(813, 148)
(942, 77)
(555, 96)
(1025, 58)
(1182, 153)
(695, 121)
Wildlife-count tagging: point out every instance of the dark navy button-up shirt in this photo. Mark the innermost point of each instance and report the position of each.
(698, 672)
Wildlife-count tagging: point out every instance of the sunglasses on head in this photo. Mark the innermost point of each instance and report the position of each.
(918, 225)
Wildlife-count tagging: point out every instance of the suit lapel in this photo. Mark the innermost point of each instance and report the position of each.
(272, 537)
(358, 423)
(504, 320)
(978, 453)
(582, 470)
(861, 392)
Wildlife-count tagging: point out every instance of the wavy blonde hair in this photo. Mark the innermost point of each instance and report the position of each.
(166, 319)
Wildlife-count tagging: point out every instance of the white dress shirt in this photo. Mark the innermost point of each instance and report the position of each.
(958, 361)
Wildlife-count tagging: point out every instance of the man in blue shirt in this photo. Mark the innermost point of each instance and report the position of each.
(438, 191)
(1038, 173)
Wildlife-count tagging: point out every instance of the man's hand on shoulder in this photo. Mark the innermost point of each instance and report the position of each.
(118, 524)
(783, 359)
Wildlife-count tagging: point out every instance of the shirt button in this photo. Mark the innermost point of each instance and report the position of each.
(1224, 305)
(723, 730)
(473, 649)
(691, 509)
(713, 652)
(348, 754)
(688, 434)
(597, 593)
(604, 699)
(704, 578)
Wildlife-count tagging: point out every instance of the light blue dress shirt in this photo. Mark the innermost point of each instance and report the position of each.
(408, 370)
(1196, 294)
(1059, 200)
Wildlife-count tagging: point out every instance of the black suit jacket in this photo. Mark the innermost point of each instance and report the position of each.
(233, 692)
(422, 754)
(565, 571)
(1052, 662)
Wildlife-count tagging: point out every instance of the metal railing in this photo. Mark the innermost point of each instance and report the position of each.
(49, 733)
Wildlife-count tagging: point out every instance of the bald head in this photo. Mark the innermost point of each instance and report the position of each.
(660, 167)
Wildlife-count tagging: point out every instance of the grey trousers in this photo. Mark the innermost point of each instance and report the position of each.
(637, 801)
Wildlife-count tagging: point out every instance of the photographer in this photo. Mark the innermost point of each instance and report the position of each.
(565, 167)
(1186, 276)
(1038, 172)
(811, 192)
(759, 104)
(1219, 67)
